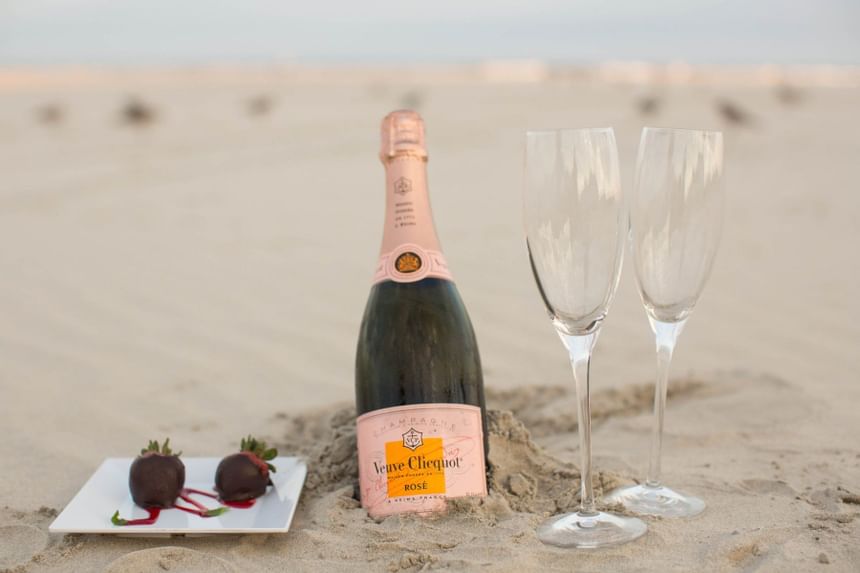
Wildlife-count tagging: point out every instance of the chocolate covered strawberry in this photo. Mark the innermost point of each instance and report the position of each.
(156, 476)
(156, 479)
(245, 475)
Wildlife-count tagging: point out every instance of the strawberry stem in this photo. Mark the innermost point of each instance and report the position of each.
(154, 512)
(153, 448)
(260, 449)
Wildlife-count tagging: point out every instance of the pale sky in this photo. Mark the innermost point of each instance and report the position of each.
(202, 31)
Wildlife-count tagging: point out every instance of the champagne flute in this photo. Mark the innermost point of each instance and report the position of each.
(575, 225)
(675, 225)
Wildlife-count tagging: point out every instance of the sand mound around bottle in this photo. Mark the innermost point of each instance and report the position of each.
(526, 484)
(522, 477)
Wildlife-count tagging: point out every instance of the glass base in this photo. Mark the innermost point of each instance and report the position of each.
(656, 500)
(588, 531)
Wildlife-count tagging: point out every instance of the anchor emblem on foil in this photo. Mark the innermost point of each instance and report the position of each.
(413, 439)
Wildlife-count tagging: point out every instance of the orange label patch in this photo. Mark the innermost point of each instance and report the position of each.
(415, 465)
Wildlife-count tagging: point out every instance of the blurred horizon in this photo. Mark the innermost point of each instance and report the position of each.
(205, 32)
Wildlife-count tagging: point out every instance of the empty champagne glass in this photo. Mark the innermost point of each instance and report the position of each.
(575, 224)
(675, 224)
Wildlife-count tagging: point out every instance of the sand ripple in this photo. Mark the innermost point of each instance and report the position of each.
(169, 559)
(20, 544)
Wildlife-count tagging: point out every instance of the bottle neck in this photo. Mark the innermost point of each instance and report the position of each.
(408, 218)
(410, 248)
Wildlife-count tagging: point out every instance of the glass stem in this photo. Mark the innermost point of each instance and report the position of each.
(580, 347)
(666, 334)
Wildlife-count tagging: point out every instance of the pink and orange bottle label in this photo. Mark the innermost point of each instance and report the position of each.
(412, 458)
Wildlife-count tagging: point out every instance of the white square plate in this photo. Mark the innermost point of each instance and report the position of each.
(107, 491)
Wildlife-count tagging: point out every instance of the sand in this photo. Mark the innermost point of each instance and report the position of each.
(201, 274)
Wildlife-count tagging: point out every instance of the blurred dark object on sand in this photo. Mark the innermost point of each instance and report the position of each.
(411, 100)
(788, 94)
(733, 113)
(648, 105)
(50, 114)
(260, 105)
(137, 113)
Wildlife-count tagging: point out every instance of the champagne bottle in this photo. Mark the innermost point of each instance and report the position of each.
(419, 389)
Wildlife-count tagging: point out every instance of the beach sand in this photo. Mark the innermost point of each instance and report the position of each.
(199, 269)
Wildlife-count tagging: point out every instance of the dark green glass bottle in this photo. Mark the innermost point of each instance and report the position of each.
(418, 381)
